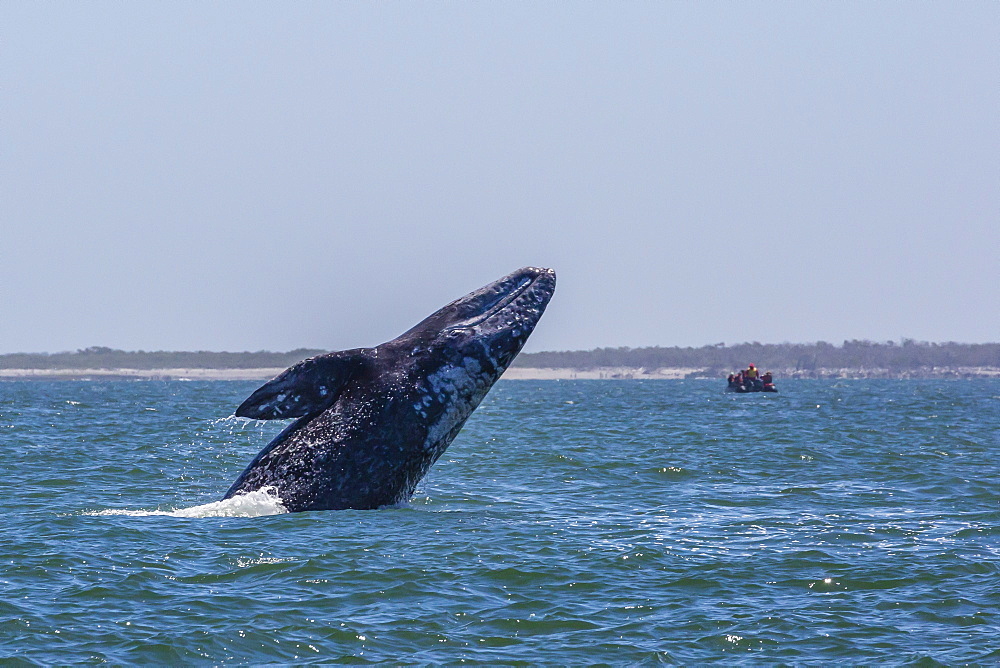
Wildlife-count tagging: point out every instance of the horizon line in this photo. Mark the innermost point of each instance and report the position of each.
(891, 342)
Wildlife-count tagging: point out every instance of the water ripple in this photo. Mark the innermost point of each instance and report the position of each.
(570, 523)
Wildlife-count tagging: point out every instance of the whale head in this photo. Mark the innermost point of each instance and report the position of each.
(489, 325)
(475, 337)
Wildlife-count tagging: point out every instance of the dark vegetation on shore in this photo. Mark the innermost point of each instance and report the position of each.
(107, 358)
(908, 355)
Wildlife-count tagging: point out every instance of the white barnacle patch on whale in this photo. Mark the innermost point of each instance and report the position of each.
(463, 387)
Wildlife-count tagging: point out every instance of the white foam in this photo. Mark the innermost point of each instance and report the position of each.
(253, 504)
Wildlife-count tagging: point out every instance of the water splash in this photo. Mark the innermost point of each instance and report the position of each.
(240, 426)
(259, 503)
(236, 425)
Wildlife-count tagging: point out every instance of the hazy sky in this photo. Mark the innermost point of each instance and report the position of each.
(244, 176)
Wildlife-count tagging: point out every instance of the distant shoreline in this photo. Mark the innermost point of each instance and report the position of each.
(853, 359)
(516, 373)
(140, 374)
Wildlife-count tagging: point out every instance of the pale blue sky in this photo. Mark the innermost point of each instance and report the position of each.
(231, 176)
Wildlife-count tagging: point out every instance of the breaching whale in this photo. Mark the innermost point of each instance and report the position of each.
(372, 421)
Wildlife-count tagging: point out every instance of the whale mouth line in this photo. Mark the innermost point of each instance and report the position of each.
(503, 303)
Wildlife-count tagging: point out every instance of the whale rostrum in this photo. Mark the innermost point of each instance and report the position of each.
(371, 421)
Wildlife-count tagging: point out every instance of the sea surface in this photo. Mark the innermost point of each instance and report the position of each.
(571, 522)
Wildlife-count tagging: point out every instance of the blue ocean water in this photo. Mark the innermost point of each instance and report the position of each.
(570, 522)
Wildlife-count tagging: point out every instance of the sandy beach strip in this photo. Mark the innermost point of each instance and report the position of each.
(600, 373)
(617, 373)
(516, 373)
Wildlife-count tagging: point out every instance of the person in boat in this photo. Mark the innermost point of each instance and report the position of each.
(767, 381)
(753, 378)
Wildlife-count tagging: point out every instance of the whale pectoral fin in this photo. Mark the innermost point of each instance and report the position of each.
(308, 388)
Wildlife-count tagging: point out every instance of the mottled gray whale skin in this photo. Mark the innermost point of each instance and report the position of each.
(372, 421)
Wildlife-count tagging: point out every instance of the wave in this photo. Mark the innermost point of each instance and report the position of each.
(259, 503)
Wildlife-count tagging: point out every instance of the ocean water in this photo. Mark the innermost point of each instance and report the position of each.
(570, 522)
